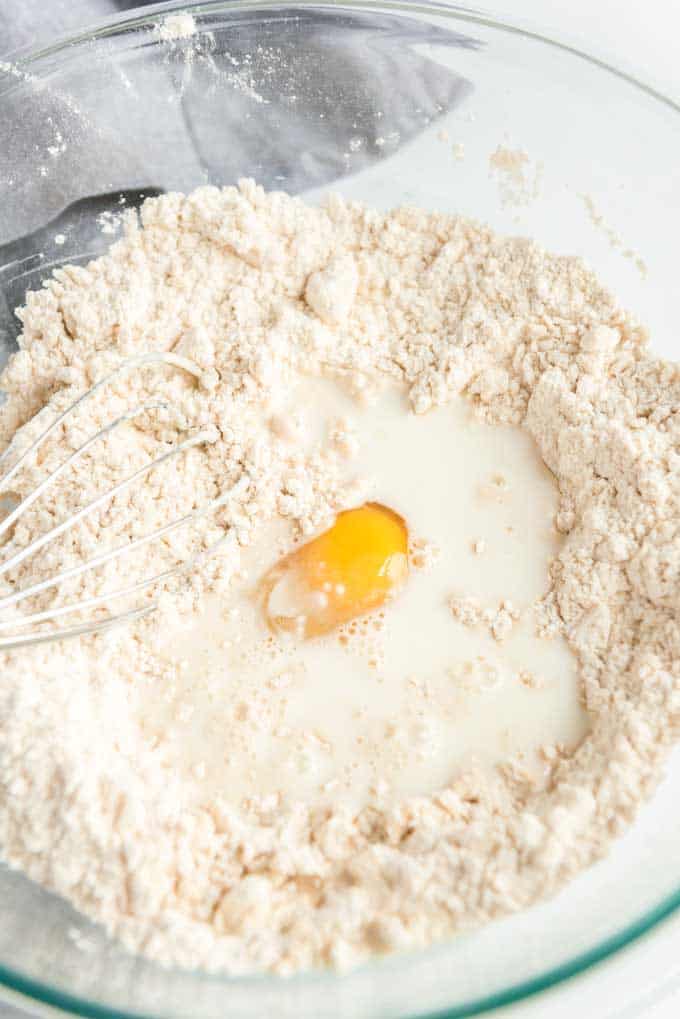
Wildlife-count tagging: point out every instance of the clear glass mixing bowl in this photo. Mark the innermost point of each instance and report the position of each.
(390, 103)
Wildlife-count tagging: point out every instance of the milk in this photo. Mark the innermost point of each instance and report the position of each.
(410, 697)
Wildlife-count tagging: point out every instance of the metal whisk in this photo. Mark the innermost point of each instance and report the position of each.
(6, 601)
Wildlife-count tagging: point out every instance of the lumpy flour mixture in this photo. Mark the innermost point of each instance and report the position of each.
(104, 795)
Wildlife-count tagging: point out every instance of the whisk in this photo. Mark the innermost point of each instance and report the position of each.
(41, 636)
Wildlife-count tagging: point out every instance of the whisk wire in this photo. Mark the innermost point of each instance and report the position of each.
(157, 357)
(203, 436)
(12, 517)
(105, 557)
(99, 625)
(100, 500)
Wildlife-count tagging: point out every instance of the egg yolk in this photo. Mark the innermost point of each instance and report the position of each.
(345, 572)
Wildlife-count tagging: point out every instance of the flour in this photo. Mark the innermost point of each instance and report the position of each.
(518, 178)
(457, 149)
(499, 619)
(176, 26)
(615, 240)
(256, 289)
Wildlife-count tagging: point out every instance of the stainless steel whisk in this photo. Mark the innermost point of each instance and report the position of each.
(42, 636)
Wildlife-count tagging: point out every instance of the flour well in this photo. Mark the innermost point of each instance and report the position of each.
(407, 697)
(550, 588)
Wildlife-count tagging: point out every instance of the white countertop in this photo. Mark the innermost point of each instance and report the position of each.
(643, 981)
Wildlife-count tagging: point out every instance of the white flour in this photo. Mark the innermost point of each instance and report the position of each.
(255, 288)
(614, 239)
(518, 177)
(176, 26)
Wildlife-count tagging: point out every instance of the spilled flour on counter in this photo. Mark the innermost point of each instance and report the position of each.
(258, 290)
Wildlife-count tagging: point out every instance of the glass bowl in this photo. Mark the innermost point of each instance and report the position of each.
(389, 103)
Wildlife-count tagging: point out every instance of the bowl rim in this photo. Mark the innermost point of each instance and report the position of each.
(27, 990)
(128, 21)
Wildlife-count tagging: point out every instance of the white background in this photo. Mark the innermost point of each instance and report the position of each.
(642, 982)
(640, 35)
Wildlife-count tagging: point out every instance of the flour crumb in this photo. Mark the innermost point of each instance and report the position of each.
(470, 612)
(344, 437)
(109, 222)
(503, 620)
(330, 292)
(477, 675)
(530, 680)
(176, 26)
(466, 610)
(613, 237)
(423, 554)
(518, 177)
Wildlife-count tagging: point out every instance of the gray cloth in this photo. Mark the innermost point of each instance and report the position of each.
(247, 103)
(33, 22)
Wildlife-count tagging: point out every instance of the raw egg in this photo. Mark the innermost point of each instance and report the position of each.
(350, 569)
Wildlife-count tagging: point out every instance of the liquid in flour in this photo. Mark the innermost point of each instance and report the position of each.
(399, 700)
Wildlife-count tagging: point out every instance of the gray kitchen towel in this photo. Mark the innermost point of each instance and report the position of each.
(23, 21)
(244, 101)
(34, 22)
